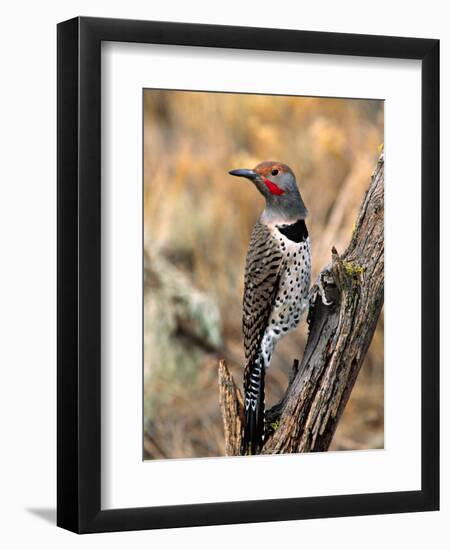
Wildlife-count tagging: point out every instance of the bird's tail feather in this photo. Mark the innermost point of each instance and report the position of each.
(253, 432)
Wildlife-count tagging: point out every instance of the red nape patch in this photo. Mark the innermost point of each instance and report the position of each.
(272, 187)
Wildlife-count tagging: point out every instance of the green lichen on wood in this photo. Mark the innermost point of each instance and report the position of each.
(352, 269)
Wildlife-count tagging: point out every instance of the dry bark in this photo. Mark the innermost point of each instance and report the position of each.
(339, 336)
(231, 406)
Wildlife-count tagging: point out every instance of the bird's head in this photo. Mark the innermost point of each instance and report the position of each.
(276, 182)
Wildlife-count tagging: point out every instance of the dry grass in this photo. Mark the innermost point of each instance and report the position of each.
(198, 220)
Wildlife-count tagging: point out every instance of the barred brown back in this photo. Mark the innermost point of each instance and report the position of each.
(262, 275)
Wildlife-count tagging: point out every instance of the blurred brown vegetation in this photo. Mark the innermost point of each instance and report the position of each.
(197, 223)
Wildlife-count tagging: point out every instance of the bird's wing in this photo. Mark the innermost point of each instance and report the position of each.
(262, 274)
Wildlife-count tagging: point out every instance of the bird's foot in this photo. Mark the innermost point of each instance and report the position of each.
(325, 286)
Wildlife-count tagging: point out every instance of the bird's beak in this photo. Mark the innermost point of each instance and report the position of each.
(244, 173)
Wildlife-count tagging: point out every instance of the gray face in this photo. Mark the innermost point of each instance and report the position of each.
(276, 182)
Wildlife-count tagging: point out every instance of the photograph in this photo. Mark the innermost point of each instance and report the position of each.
(225, 259)
(248, 201)
(248, 274)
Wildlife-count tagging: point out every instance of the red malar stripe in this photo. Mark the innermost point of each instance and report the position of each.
(272, 187)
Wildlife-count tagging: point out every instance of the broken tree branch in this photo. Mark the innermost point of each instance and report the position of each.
(345, 304)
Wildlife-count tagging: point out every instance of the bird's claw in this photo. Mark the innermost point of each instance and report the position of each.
(320, 287)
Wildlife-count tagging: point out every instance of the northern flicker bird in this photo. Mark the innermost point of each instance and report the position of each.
(276, 284)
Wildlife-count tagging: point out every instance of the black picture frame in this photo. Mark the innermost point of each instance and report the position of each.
(79, 280)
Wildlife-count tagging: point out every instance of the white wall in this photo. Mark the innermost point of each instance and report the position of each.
(28, 268)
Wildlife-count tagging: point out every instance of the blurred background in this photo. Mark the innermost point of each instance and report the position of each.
(197, 224)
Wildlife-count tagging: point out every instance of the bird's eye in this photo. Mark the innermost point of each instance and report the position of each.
(274, 172)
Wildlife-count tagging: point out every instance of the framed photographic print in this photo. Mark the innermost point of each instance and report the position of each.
(232, 345)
